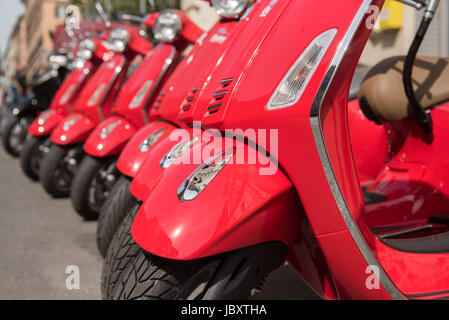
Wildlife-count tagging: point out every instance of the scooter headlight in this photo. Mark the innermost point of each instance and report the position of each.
(58, 60)
(86, 49)
(119, 39)
(230, 8)
(168, 26)
(298, 77)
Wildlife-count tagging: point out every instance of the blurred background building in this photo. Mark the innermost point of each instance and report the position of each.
(31, 36)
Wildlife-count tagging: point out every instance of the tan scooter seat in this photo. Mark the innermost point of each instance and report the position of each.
(382, 96)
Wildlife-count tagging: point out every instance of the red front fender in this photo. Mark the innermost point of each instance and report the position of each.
(238, 208)
(45, 123)
(73, 129)
(133, 155)
(109, 137)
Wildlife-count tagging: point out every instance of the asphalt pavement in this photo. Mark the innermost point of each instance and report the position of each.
(42, 242)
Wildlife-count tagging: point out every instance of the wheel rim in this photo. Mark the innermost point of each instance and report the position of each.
(17, 136)
(38, 155)
(65, 171)
(101, 185)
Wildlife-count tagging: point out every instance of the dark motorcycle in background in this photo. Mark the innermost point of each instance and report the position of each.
(26, 108)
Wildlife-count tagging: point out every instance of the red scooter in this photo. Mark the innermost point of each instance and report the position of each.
(95, 177)
(179, 96)
(90, 54)
(216, 230)
(93, 105)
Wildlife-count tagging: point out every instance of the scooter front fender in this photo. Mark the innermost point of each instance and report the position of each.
(238, 208)
(45, 123)
(73, 129)
(109, 138)
(137, 149)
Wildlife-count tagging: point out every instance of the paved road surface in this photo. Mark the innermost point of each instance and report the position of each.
(40, 237)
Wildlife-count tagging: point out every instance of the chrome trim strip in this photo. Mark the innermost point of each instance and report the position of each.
(370, 259)
(156, 84)
(117, 71)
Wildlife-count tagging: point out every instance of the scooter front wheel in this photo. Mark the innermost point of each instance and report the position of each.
(114, 209)
(34, 150)
(58, 168)
(14, 135)
(92, 185)
(131, 273)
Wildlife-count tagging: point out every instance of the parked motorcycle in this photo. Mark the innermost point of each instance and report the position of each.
(178, 96)
(93, 106)
(97, 172)
(216, 230)
(26, 109)
(91, 53)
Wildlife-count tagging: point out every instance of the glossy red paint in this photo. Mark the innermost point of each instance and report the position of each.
(69, 92)
(100, 92)
(74, 129)
(141, 90)
(176, 101)
(132, 158)
(370, 144)
(336, 213)
(269, 199)
(115, 129)
(64, 97)
(95, 101)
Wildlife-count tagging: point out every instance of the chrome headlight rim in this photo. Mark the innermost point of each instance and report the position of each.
(231, 12)
(86, 49)
(119, 38)
(167, 20)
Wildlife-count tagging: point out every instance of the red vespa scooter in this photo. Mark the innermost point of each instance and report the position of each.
(172, 110)
(93, 106)
(227, 225)
(90, 54)
(95, 177)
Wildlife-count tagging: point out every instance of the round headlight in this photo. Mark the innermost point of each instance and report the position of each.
(86, 49)
(58, 60)
(168, 26)
(230, 8)
(87, 44)
(119, 39)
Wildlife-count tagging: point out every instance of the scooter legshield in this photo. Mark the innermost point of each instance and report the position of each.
(137, 149)
(73, 129)
(238, 207)
(109, 138)
(45, 123)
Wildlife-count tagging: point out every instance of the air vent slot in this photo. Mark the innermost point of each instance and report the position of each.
(219, 95)
(158, 101)
(189, 100)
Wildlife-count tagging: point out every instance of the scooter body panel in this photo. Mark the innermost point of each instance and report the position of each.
(109, 138)
(133, 102)
(60, 106)
(333, 202)
(45, 123)
(73, 129)
(138, 147)
(180, 90)
(98, 94)
(262, 208)
(141, 89)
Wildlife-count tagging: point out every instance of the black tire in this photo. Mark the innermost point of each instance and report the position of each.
(130, 273)
(121, 250)
(114, 210)
(14, 149)
(86, 203)
(30, 156)
(52, 168)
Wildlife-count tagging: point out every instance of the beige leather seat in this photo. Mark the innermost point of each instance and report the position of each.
(382, 95)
